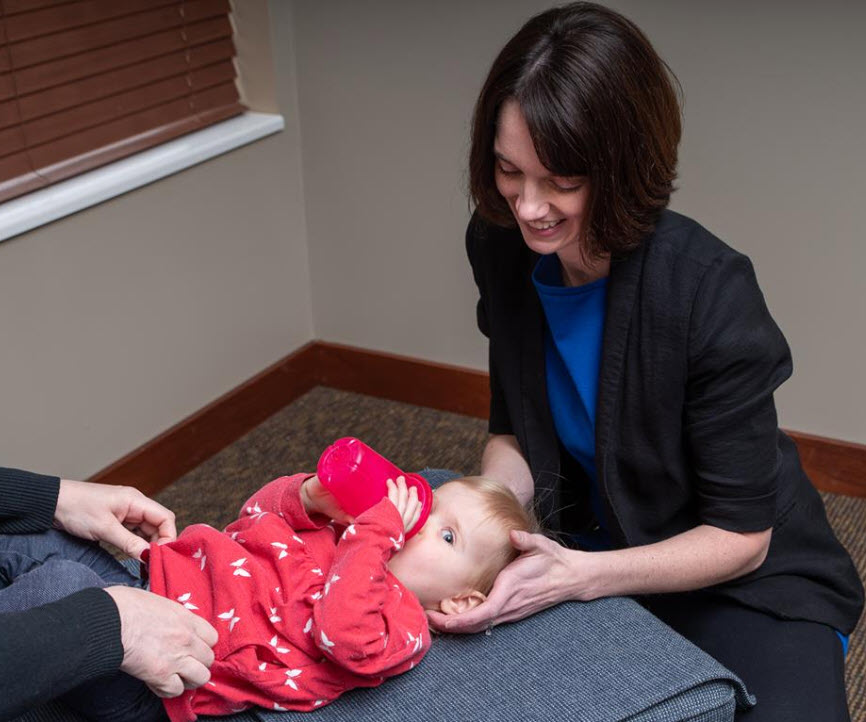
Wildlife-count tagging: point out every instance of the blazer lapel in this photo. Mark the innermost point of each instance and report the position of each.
(621, 294)
(542, 447)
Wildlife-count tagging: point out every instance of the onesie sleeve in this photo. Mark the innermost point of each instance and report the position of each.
(283, 497)
(737, 359)
(366, 621)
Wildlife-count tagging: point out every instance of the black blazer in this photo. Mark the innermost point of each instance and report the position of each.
(686, 429)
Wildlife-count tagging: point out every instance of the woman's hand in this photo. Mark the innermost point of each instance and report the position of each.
(164, 645)
(318, 500)
(102, 512)
(540, 577)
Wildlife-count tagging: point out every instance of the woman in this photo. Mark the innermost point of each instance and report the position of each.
(632, 369)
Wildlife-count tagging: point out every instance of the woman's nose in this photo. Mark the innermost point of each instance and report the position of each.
(531, 204)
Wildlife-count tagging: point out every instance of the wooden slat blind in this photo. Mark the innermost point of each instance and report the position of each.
(85, 82)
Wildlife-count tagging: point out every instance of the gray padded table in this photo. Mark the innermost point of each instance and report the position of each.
(604, 661)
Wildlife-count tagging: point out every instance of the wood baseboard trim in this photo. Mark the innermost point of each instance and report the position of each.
(834, 466)
(164, 459)
(402, 378)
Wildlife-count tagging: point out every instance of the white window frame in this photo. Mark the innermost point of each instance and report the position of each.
(82, 191)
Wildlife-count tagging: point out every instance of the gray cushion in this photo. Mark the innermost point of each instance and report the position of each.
(605, 660)
(601, 661)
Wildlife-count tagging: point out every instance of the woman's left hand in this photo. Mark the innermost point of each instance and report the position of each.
(540, 577)
(103, 512)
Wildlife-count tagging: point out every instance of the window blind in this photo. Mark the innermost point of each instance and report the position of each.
(85, 82)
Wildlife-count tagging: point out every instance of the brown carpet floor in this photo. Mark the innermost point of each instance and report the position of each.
(413, 437)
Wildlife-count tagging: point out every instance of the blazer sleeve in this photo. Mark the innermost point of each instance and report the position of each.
(737, 359)
(476, 237)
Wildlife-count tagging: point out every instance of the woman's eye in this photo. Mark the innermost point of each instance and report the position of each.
(448, 536)
(506, 171)
(565, 187)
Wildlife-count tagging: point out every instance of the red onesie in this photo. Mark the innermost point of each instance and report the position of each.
(304, 611)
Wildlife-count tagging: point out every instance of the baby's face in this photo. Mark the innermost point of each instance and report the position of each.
(445, 557)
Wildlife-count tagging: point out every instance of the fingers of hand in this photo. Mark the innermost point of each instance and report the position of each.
(135, 546)
(522, 541)
(115, 533)
(470, 622)
(206, 633)
(413, 510)
(171, 686)
(402, 495)
(156, 515)
(397, 492)
(193, 673)
(437, 620)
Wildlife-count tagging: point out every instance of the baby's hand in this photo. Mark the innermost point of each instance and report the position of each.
(318, 500)
(406, 501)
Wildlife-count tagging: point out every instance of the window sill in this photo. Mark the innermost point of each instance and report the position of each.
(70, 196)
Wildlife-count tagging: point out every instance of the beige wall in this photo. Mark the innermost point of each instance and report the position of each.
(772, 161)
(117, 322)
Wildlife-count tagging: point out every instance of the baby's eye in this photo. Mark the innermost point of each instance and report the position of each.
(448, 536)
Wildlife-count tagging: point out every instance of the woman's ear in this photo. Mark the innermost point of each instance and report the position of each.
(463, 602)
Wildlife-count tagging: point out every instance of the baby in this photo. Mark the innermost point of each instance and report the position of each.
(309, 603)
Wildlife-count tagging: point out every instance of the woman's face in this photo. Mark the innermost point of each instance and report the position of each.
(549, 208)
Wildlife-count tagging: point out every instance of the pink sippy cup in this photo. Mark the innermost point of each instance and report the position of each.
(356, 476)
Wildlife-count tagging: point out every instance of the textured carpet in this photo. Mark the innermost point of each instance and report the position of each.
(413, 437)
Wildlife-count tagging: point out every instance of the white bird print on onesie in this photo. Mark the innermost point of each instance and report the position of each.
(282, 547)
(290, 675)
(230, 617)
(184, 599)
(239, 567)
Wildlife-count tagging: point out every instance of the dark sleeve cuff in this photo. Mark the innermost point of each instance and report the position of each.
(98, 629)
(27, 501)
(52, 649)
(740, 514)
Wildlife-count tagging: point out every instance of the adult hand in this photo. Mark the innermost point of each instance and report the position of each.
(102, 512)
(164, 645)
(540, 577)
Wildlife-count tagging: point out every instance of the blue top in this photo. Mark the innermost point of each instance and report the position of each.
(572, 349)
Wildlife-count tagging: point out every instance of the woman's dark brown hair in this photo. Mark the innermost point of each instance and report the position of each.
(600, 103)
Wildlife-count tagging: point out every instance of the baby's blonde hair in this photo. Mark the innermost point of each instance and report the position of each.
(505, 510)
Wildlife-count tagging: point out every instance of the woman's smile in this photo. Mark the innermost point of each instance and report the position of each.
(543, 229)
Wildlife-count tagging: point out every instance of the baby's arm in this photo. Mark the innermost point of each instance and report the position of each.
(365, 621)
(284, 497)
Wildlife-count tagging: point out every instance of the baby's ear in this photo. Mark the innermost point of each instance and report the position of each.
(463, 602)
